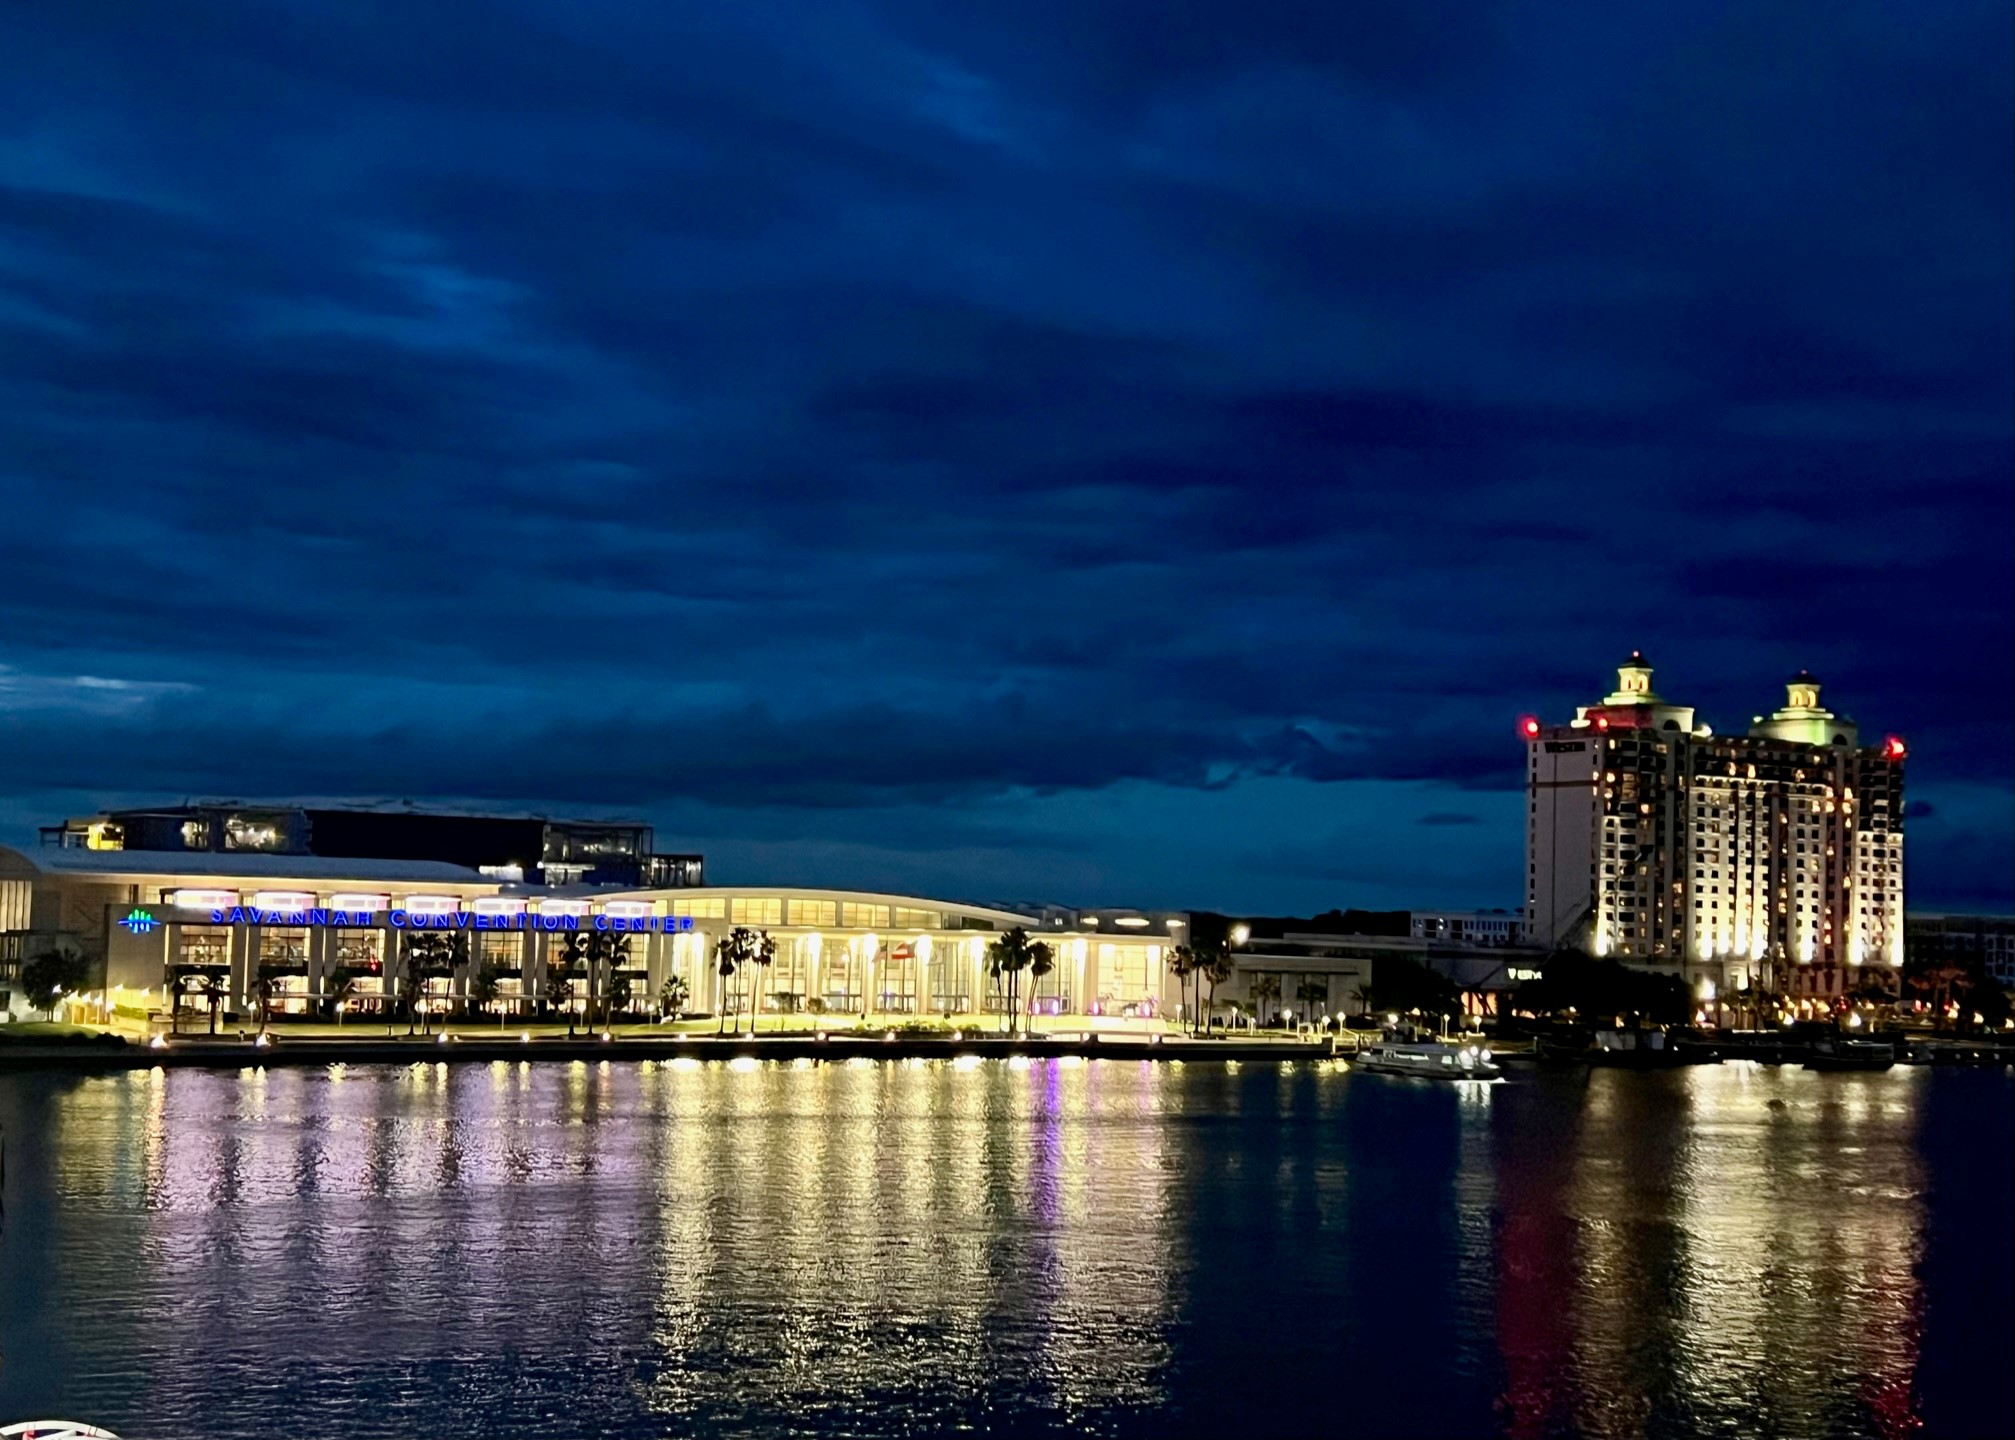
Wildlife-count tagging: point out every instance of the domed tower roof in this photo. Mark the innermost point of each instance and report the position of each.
(1804, 719)
(1634, 704)
(1633, 682)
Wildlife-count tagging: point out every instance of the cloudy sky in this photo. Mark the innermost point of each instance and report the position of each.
(1137, 453)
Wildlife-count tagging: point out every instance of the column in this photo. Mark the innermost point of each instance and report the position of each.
(245, 942)
(321, 950)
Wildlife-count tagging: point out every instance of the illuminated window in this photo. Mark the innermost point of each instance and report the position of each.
(756, 911)
(205, 945)
(359, 949)
(283, 945)
(506, 951)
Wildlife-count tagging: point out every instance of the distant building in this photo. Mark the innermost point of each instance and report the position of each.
(1773, 858)
(1312, 977)
(1962, 939)
(1469, 927)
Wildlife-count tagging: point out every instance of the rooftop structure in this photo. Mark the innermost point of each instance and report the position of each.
(532, 848)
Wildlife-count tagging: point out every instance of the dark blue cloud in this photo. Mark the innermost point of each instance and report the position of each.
(836, 410)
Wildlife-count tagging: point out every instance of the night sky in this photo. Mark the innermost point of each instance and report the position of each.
(1114, 454)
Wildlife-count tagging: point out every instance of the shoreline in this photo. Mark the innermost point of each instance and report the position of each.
(245, 1054)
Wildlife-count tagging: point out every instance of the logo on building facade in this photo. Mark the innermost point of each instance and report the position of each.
(140, 922)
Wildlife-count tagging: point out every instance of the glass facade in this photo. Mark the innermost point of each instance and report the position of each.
(868, 955)
(283, 946)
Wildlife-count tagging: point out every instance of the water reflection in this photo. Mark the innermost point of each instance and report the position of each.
(1032, 1247)
(1725, 1247)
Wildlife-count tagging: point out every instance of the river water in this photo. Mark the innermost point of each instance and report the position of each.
(1007, 1247)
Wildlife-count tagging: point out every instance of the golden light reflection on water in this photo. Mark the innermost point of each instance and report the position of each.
(908, 1247)
(1774, 1216)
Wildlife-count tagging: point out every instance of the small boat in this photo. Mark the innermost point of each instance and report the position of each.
(1430, 1061)
(1845, 1054)
(1648, 1050)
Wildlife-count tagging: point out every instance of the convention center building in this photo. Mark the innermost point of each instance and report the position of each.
(229, 908)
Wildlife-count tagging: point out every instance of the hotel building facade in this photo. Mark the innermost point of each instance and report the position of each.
(1770, 859)
(203, 925)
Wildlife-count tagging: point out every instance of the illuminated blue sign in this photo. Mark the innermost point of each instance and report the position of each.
(447, 920)
(140, 922)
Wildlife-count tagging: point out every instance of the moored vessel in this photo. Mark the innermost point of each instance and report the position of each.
(1846, 1054)
(1429, 1061)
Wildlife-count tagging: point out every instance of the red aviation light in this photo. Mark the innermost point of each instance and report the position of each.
(1893, 747)
(1602, 722)
(1528, 726)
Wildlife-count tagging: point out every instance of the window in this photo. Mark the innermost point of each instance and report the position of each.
(283, 946)
(506, 951)
(756, 911)
(813, 913)
(864, 917)
(709, 908)
(359, 949)
(251, 832)
(205, 945)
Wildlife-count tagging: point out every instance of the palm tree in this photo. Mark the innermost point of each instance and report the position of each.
(1182, 965)
(430, 955)
(732, 953)
(1212, 961)
(762, 956)
(1363, 996)
(213, 992)
(1041, 960)
(560, 992)
(1215, 965)
(603, 951)
(409, 995)
(672, 995)
(484, 986)
(573, 954)
(1308, 993)
(1009, 955)
(1006, 955)
(994, 978)
(1264, 988)
(618, 1001)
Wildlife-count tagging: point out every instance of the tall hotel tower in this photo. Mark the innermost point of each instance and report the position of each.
(1773, 858)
